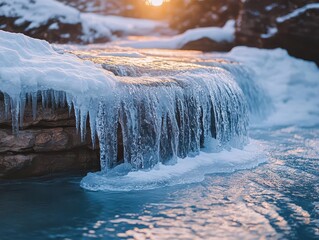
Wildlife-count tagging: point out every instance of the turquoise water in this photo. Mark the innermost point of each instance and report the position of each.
(278, 199)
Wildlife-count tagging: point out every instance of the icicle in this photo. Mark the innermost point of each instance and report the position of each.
(69, 100)
(34, 97)
(44, 97)
(15, 109)
(7, 103)
(77, 118)
(83, 119)
(57, 98)
(23, 100)
(92, 121)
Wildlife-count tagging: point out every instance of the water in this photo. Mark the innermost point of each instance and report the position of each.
(277, 200)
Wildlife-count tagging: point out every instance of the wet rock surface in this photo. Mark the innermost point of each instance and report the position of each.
(49, 144)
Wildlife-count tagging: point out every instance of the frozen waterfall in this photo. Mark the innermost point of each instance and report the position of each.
(144, 110)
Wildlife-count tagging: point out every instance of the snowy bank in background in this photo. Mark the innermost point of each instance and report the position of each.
(37, 12)
(292, 83)
(56, 22)
(223, 34)
(96, 26)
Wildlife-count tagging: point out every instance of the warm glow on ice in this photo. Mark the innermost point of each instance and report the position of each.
(155, 3)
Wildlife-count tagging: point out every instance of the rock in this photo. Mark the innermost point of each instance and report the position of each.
(39, 164)
(48, 144)
(207, 45)
(63, 33)
(259, 25)
(48, 20)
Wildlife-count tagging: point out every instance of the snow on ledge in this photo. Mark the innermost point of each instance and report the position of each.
(297, 12)
(30, 65)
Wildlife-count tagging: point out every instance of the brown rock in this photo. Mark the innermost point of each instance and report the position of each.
(22, 142)
(30, 165)
(49, 144)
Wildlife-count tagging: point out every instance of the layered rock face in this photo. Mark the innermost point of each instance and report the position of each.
(292, 25)
(48, 144)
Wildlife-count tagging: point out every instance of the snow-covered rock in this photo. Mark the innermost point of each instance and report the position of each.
(292, 25)
(216, 38)
(59, 23)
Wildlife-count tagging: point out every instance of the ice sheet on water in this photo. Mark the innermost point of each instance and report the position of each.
(185, 171)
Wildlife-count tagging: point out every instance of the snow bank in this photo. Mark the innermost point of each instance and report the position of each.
(298, 12)
(293, 84)
(224, 34)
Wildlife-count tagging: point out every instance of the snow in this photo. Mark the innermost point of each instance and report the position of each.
(298, 12)
(38, 12)
(99, 26)
(271, 7)
(223, 34)
(28, 64)
(270, 32)
(292, 83)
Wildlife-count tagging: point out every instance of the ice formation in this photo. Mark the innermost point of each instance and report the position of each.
(153, 111)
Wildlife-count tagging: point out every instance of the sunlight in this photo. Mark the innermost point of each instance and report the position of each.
(155, 3)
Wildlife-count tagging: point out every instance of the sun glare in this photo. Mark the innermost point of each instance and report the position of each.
(155, 3)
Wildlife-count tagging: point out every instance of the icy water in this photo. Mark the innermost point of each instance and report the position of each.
(276, 200)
